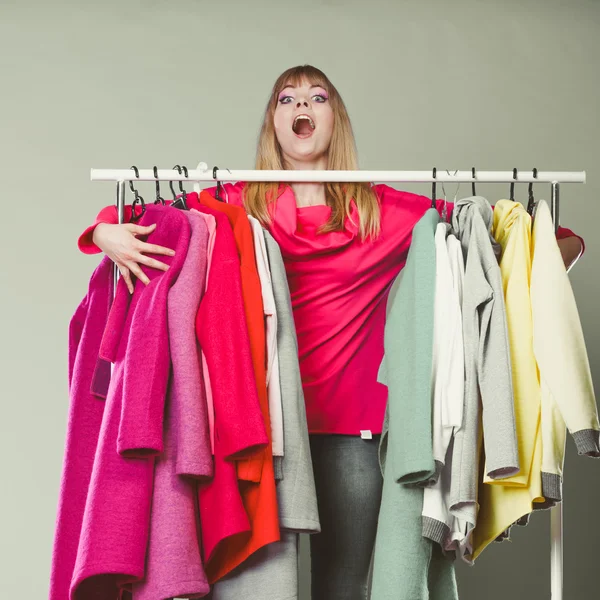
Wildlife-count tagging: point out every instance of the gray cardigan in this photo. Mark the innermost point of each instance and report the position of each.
(488, 374)
(296, 494)
(271, 573)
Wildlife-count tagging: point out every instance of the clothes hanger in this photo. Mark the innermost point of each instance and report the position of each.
(473, 184)
(531, 203)
(180, 202)
(138, 200)
(218, 192)
(433, 186)
(445, 209)
(202, 166)
(159, 198)
(220, 187)
(512, 185)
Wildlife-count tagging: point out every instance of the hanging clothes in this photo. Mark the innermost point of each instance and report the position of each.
(173, 561)
(270, 320)
(114, 535)
(488, 377)
(89, 379)
(407, 565)
(228, 512)
(260, 501)
(568, 399)
(271, 573)
(338, 370)
(249, 469)
(503, 502)
(448, 383)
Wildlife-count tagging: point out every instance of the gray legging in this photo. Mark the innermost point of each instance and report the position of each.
(349, 482)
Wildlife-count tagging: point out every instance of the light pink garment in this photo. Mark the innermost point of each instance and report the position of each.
(211, 225)
(173, 564)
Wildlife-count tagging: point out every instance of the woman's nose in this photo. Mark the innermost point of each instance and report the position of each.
(303, 103)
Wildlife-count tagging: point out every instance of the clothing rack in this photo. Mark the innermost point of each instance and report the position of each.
(203, 174)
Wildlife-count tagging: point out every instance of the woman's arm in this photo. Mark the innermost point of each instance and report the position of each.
(571, 248)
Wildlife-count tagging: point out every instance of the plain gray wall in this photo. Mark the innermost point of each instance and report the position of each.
(110, 84)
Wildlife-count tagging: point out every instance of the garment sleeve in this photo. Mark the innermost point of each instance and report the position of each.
(107, 215)
(559, 343)
(564, 232)
(410, 386)
(495, 376)
(146, 358)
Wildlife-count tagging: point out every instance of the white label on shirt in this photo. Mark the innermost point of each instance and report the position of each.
(366, 434)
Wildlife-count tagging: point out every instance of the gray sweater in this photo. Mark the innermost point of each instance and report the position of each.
(488, 375)
(296, 494)
(271, 573)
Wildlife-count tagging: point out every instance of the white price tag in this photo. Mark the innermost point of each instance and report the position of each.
(366, 434)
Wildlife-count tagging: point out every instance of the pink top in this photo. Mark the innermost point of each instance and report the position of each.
(339, 287)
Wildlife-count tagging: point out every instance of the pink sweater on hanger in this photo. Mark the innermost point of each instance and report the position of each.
(88, 384)
(173, 563)
(114, 535)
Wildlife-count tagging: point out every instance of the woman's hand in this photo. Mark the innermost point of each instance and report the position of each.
(120, 244)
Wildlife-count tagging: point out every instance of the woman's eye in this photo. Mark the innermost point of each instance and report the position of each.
(320, 98)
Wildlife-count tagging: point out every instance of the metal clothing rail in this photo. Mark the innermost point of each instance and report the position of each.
(203, 173)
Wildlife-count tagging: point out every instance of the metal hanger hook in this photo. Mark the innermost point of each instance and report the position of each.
(531, 202)
(445, 209)
(220, 187)
(159, 198)
(473, 184)
(433, 187)
(138, 200)
(512, 185)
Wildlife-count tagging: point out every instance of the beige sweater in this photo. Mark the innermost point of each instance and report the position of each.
(568, 400)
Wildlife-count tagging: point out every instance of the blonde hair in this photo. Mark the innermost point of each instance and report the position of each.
(341, 156)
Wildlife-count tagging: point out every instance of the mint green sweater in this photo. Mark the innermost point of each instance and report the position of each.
(408, 566)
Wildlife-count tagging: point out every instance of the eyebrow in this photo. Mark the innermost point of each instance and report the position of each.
(294, 87)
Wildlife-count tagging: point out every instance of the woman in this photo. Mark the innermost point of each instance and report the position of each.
(343, 245)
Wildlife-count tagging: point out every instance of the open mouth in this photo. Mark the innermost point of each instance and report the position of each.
(303, 126)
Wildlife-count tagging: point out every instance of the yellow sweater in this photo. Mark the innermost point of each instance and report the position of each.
(502, 502)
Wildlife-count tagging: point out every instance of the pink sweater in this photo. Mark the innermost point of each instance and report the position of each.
(88, 384)
(114, 534)
(173, 562)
